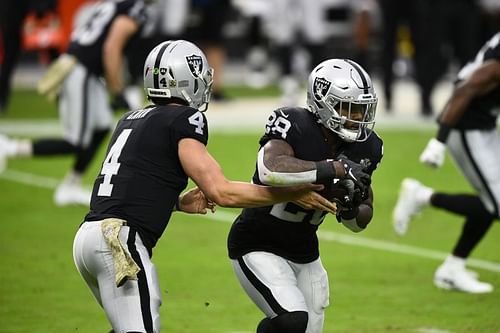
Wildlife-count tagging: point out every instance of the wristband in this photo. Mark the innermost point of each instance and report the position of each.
(443, 132)
(325, 170)
(178, 204)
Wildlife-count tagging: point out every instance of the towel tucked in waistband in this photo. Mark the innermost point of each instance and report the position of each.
(125, 267)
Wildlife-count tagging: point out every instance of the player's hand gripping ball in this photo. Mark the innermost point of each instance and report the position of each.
(344, 193)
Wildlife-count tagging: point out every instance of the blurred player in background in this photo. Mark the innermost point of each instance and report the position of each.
(12, 15)
(210, 17)
(151, 155)
(467, 126)
(200, 21)
(415, 16)
(364, 13)
(95, 52)
(292, 23)
(274, 249)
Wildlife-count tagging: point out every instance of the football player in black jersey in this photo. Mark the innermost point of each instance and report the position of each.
(467, 127)
(151, 155)
(274, 249)
(95, 52)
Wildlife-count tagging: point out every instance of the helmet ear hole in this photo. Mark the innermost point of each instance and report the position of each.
(195, 89)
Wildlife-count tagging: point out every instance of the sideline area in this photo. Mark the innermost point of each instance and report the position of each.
(249, 114)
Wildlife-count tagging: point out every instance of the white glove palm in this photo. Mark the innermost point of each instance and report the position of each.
(433, 154)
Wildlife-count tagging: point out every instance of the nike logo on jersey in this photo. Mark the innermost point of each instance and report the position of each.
(284, 114)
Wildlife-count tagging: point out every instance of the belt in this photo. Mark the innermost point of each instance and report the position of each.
(124, 223)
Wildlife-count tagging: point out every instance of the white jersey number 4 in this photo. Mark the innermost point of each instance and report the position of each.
(198, 121)
(111, 166)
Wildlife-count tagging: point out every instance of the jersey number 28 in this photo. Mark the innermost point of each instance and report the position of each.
(293, 213)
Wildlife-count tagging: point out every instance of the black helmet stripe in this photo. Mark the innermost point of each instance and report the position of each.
(361, 74)
(156, 78)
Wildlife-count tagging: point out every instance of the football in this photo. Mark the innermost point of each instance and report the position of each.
(335, 191)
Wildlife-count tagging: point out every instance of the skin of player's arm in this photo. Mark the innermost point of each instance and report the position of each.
(122, 28)
(200, 166)
(483, 80)
(280, 157)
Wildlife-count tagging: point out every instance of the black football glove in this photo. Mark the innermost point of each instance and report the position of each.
(352, 198)
(345, 201)
(348, 205)
(357, 173)
(119, 103)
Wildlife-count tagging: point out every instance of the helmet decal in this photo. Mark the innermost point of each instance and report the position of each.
(321, 88)
(159, 55)
(195, 64)
(178, 69)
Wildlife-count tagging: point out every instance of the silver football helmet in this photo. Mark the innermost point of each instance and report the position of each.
(340, 93)
(178, 68)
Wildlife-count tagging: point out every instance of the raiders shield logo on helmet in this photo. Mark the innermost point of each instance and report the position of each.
(321, 87)
(195, 64)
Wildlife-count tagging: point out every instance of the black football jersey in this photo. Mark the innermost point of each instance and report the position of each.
(141, 176)
(483, 110)
(285, 228)
(87, 40)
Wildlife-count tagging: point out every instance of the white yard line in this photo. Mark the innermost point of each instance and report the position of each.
(329, 236)
(361, 241)
(29, 179)
(417, 330)
(31, 127)
(431, 330)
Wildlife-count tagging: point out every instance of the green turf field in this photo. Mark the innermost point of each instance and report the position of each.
(379, 282)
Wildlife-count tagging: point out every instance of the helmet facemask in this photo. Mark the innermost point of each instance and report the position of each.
(208, 79)
(351, 121)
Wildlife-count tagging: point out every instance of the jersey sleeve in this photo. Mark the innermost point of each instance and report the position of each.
(377, 152)
(134, 9)
(282, 125)
(495, 53)
(494, 44)
(191, 123)
(368, 153)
